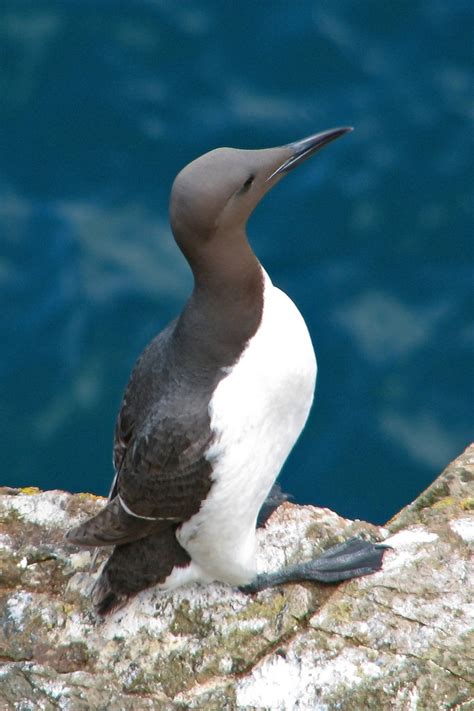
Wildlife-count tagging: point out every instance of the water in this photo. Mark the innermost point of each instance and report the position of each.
(103, 102)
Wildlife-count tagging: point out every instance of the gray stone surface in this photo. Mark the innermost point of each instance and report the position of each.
(401, 639)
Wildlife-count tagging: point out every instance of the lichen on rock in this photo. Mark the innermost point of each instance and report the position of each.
(399, 639)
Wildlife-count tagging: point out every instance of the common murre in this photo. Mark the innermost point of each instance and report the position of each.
(214, 404)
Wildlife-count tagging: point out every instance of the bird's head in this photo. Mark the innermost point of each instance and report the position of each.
(215, 194)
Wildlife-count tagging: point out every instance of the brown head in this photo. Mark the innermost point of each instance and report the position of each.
(211, 201)
(213, 197)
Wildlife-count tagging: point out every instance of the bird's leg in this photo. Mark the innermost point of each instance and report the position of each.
(351, 559)
(275, 497)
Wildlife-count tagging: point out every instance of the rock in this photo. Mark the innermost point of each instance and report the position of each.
(400, 639)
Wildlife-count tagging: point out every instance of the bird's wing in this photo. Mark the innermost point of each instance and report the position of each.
(162, 478)
(165, 473)
(161, 440)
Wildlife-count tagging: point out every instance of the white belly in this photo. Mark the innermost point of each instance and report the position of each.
(257, 413)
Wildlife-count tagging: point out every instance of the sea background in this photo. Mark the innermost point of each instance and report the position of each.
(102, 103)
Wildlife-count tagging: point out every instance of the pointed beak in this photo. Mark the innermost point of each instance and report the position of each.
(301, 150)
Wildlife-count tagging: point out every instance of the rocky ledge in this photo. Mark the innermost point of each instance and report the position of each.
(400, 639)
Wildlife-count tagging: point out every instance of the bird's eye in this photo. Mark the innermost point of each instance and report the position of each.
(247, 183)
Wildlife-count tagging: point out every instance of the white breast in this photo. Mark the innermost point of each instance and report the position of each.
(257, 413)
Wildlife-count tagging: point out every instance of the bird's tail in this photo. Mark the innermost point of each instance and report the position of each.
(105, 599)
(135, 566)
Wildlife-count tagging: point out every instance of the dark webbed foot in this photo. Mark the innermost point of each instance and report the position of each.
(351, 559)
(276, 497)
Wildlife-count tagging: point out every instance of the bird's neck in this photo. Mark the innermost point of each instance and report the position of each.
(226, 266)
(227, 301)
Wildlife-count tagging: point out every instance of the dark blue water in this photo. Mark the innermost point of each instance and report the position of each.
(103, 102)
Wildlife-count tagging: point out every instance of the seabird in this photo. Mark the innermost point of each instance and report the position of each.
(214, 404)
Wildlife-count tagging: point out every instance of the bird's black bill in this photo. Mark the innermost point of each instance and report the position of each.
(301, 150)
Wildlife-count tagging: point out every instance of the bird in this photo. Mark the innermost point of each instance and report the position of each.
(214, 404)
